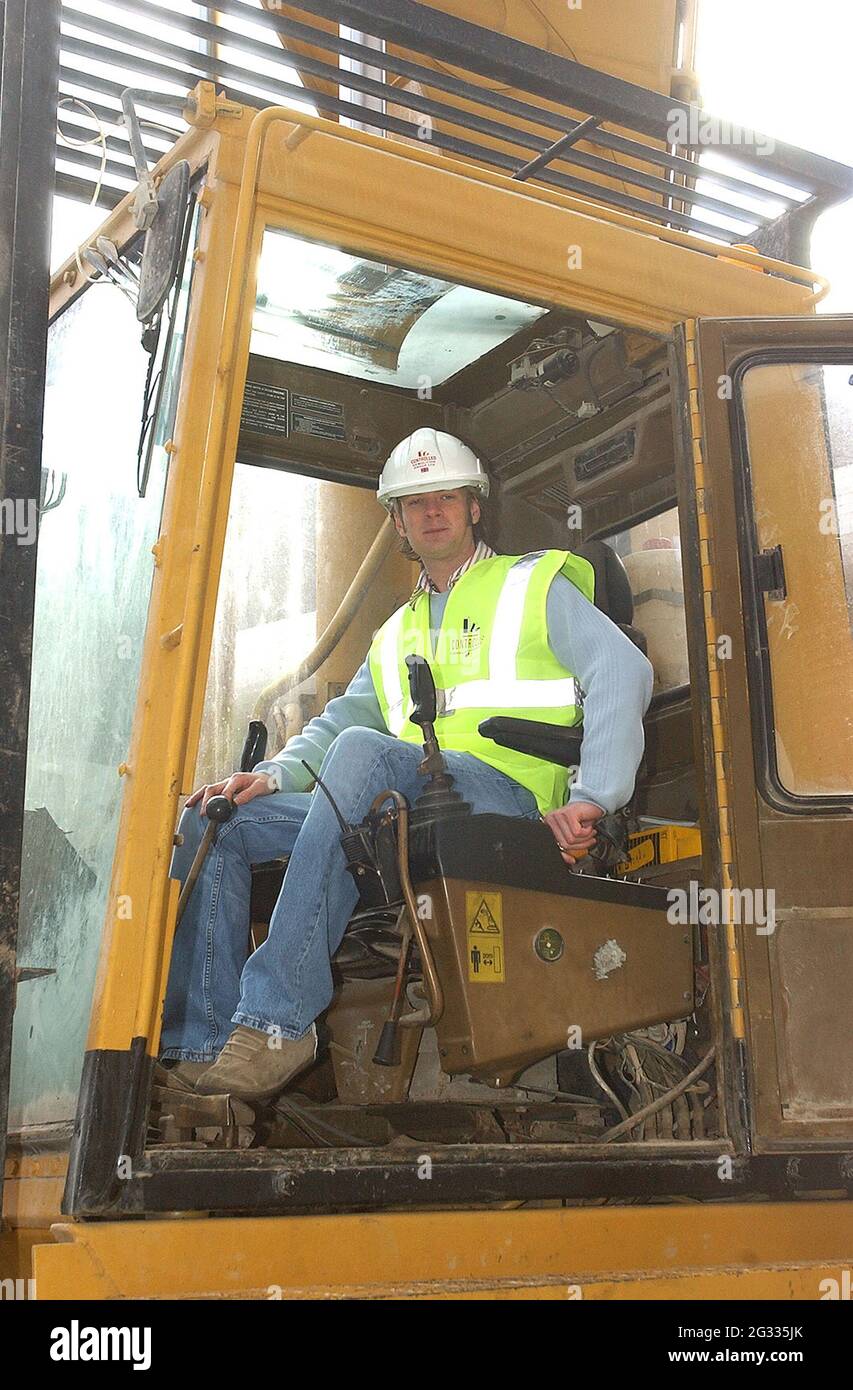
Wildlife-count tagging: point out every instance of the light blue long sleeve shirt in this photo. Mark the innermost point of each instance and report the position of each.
(615, 677)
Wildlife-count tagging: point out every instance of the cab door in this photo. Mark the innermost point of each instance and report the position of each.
(769, 430)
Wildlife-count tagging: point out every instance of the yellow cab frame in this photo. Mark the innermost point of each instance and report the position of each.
(717, 307)
(720, 310)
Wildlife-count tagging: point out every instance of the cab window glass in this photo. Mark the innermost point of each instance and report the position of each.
(92, 588)
(275, 602)
(799, 431)
(320, 307)
(651, 554)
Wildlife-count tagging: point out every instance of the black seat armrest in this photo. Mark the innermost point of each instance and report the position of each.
(549, 741)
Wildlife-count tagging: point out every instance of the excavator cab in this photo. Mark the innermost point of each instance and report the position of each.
(548, 278)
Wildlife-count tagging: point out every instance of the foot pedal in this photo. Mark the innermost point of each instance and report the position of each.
(181, 1116)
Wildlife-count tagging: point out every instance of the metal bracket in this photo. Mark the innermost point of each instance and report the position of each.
(554, 151)
(204, 104)
(770, 572)
(145, 198)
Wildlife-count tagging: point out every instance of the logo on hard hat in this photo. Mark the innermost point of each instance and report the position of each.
(424, 461)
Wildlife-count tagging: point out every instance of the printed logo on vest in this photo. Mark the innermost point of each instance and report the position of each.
(466, 644)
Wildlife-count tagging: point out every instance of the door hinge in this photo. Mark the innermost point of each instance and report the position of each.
(770, 571)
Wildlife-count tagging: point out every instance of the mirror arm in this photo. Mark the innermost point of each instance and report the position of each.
(145, 200)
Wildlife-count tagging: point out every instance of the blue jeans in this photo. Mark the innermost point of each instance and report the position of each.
(287, 982)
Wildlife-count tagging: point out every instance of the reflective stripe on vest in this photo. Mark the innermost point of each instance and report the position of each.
(503, 690)
(497, 673)
(389, 662)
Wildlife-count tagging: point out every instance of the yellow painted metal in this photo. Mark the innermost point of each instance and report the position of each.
(632, 41)
(285, 169)
(674, 1251)
(130, 974)
(485, 229)
(447, 219)
(716, 668)
(660, 844)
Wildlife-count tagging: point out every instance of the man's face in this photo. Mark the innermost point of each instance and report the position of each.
(438, 525)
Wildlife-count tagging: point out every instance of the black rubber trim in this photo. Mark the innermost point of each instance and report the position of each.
(266, 1182)
(110, 1126)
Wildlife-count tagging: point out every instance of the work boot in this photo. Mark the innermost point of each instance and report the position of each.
(181, 1076)
(255, 1066)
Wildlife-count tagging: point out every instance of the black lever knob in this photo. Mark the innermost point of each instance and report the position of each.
(219, 809)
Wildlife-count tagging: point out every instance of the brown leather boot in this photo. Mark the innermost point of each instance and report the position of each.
(256, 1066)
(182, 1077)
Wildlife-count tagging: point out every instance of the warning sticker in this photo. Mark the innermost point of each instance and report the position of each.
(484, 915)
(266, 408)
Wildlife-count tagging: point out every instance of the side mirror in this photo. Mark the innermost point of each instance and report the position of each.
(422, 690)
(163, 240)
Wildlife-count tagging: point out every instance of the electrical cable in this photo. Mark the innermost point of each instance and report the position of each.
(559, 1095)
(599, 1080)
(100, 136)
(643, 1041)
(638, 1116)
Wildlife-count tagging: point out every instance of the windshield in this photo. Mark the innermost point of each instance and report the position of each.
(321, 307)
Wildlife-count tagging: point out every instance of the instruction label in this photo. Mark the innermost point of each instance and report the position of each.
(323, 419)
(486, 959)
(266, 409)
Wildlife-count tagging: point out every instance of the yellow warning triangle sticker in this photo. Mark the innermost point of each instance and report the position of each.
(484, 921)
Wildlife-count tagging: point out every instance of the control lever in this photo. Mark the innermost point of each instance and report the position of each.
(219, 810)
(438, 796)
(255, 747)
(611, 843)
(371, 865)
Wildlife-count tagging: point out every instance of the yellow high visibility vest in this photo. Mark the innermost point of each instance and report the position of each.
(491, 657)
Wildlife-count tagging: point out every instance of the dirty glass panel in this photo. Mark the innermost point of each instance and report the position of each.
(266, 612)
(275, 602)
(92, 590)
(651, 554)
(799, 425)
(322, 307)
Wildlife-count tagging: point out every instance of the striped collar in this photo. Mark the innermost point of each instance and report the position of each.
(425, 584)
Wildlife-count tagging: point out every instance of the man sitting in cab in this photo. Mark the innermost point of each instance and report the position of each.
(509, 635)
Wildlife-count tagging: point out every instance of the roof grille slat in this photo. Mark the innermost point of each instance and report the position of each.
(508, 132)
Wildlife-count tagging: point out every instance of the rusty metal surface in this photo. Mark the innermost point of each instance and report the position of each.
(355, 1023)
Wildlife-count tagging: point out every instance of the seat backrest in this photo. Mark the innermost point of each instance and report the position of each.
(612, 585)
(518, 528)
(613, 589)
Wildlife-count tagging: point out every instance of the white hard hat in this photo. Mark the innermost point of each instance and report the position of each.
(430, 461)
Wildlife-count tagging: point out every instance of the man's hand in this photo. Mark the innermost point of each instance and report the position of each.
(573, 827)
(242, 787)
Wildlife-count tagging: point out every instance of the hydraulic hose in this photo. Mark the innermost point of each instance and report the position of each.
(347, 609)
